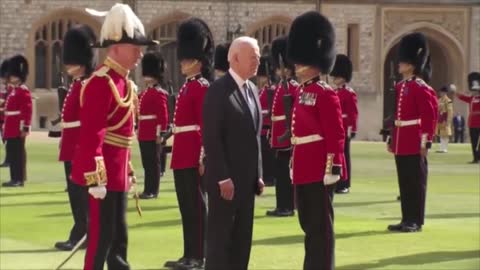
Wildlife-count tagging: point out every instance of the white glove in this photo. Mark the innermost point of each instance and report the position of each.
(330, 179)
(453, 87)
(98, 192)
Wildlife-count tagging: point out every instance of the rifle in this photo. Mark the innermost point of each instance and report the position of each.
(171, 101)
(62, 92)
(388, 122)
(287, 103)
(270, 92)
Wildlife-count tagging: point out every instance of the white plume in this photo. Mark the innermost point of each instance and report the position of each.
(120, 18)
(96, 13)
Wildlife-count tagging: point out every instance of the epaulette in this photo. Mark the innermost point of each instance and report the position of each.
(101, 72)
(421, 82)
(203, 82)
(159, 89)
(294, 83)
(24, 87)
(325, 85)
(350, 89)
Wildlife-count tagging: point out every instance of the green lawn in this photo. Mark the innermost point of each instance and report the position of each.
(34, 217)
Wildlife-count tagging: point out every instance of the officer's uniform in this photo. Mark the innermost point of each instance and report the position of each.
(474, 113)
(77, 51)
(444, 122)
(283, 149)
(348, 100)
(317, 138)
(106, 134)
(152, 121)
(18, 116)
(195, 41)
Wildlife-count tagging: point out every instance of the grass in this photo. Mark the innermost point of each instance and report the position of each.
(32, 219)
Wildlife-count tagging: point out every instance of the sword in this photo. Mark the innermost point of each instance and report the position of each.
(74, 250)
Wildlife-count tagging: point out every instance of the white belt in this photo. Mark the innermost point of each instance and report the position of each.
(182, 129)
(278, 118)
(9, 113)
(264, 111)
(70, 124)
(344, 115)
(147, 117)
(306, 139)
(401, 123)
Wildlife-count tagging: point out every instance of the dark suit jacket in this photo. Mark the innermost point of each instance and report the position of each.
(459, 124)
(230, 138)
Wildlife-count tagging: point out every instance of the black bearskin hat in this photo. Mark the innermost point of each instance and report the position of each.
(413, 49)
(18, 67)
(153, 65)
(265, 67)
(311, 41)
(474, 81)
(343, 68)
(221, 57)
(4, 69)
(77, 47)
(279, 48)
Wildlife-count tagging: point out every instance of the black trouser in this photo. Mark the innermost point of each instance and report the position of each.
(459, 136)
(230, 225)
(192, 210)
(268, 161)
(150, 152)
(17, 158)
(412, 180)
(315, 213)
(78, 197)
(107, 232)
(283, 187)
(474, 137)
(4, 141)
(346, 182)
(163, 157)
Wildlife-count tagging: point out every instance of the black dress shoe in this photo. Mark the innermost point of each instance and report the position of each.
(4, 164)
(190, 264)
(12, 184)
(65, 246)
(172, 264)
(411, 227)
(148, 196)
(396, 227)
(474, 162)
(342, 191)
(280, 213)
(399, 198)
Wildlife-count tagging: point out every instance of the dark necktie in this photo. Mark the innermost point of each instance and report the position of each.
(251, 103)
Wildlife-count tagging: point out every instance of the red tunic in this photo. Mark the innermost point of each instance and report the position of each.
(3, 99)
(279, 125)
(70, 121)
(187, 120)
(414, 117)
(434, 102)
(153, 113)
(267, 120)
(317, 113)
(348, 102)
(474, 112)
(106, 133)
(18, 112)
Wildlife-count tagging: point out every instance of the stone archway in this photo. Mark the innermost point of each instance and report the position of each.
(447, 56)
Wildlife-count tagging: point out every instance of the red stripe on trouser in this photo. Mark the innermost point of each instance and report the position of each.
(93, 233)
(200, 216)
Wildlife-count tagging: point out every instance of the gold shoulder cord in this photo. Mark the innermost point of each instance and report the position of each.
(127, 102)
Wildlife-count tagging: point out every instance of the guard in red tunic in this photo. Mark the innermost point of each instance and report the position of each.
(78, 58)
(473, 101)
(18, 116)
(195, 52)
(414, 122)
(5, 90)
(101, 161)
(279, 139)
(221, 64)
(267, 92)
(342, 74)
(317, 136)
(152, 121)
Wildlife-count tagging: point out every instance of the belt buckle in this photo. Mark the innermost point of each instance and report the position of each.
(397, 123)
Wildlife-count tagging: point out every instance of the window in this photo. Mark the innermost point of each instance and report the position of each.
(353, 44)
(267, 33)
(166, 34)
(48, 52)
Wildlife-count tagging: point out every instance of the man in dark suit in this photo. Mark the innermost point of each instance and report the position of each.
(459, 126)
(231, 137)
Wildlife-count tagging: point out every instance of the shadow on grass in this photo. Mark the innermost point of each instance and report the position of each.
(43, 203)
(130, 209)
(354, 204)
(162, 223)
(416, 259)
(298, 239)
(18, 194)
(442, 216)
(28, 251)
